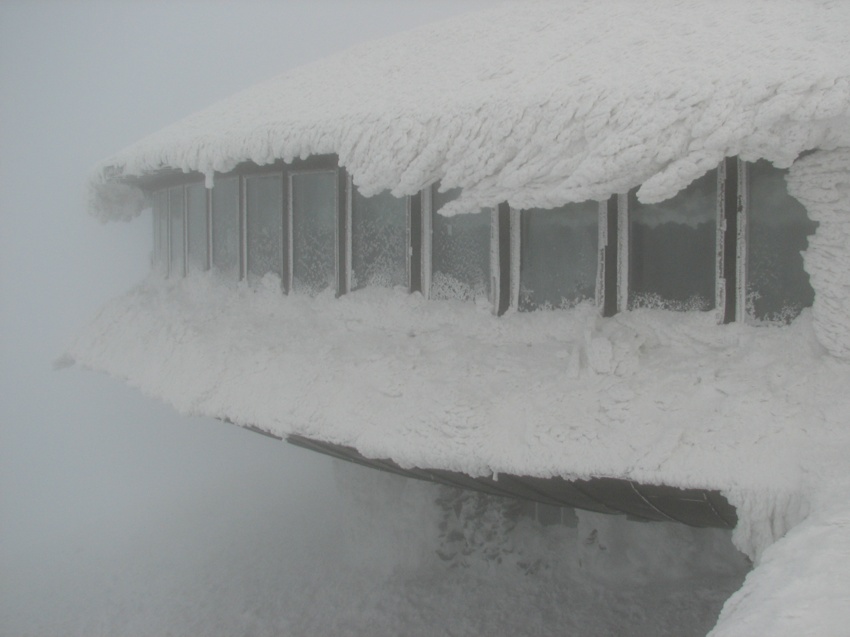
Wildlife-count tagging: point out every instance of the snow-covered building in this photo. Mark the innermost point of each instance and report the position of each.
(586, 253)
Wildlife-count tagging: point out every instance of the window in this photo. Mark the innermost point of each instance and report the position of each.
(460, 251)
(379, 244)
(777, 230)
(264, 224)
(225, 226)
(314, 206)
(730, 241)
(197, 258)
(558, 256)
(672, 253)
(161, 222)
(177, 234)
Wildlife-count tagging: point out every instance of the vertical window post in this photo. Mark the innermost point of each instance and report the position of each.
(414, 242)
(742, 266)
(348, 194)
(427, 197)
(728, 253)
(607, 272)
(515, 255)
(502, 267)
(243, 230)
(209, 262)
(343, 236)
(622, 252)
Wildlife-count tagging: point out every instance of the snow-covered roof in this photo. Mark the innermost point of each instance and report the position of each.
(536, 103)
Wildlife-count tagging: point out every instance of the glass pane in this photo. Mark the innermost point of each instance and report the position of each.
(314, 210)
(672, 257)
(559, 256)
(196, 209)
(460, 252)
(264, 218)
(225, 226)
(160, 215)
(175, 205)
(778, 227)
(378, 240)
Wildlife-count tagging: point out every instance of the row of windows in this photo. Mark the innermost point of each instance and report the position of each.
(731, 241)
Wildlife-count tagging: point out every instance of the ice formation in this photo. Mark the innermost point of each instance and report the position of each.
(554, 102)
(821, 182)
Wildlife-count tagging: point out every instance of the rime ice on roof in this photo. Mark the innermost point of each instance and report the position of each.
(553, 102)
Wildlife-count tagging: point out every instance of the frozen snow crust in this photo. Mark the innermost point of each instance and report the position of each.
(536, 103)
(653, 396)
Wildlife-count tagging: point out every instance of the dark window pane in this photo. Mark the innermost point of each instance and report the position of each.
(559, 256)
(160, 215)
(175, 205)
(264, 219)
(672, 257)
(314, 218)
(196, 209)
(778, 228)
(378, 240)
(460, 252)
(225, 226)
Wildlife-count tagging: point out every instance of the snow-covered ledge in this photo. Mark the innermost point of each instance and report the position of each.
(652, 396)
(821, 182)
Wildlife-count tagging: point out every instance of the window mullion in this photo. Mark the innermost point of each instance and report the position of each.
(344, 232)
(208, 264)
(414, 242)
(167, 215)
(623, 230)
(243, 229)
(288, 224)
(185, 207)
(728, 237)
(742, 238)
(606, 273)
(427, 239)
(515, 256)
(502, 283)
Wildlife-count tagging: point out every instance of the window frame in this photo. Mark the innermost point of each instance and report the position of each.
(428, 211)
(412, 236)
(515, 268)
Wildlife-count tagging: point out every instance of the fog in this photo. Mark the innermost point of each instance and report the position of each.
(118, 516)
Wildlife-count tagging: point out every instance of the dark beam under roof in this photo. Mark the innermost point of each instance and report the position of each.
(694, 507)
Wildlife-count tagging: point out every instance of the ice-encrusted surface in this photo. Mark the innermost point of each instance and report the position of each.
(821, 182)
(554, 102)
(654, 396)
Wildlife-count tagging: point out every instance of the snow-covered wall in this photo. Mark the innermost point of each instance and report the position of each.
(553, 102)
(821, 182)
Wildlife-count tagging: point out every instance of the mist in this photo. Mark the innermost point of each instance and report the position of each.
(117, 515)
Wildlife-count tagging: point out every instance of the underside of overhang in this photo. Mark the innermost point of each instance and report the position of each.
(659, 503)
